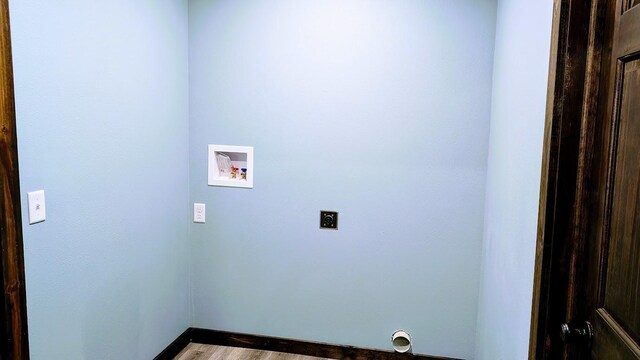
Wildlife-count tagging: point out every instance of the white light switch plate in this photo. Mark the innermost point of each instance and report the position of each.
(199, 213)
(37, 210)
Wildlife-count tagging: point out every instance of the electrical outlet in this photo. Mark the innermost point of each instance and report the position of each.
(328, 220)
(199, 213)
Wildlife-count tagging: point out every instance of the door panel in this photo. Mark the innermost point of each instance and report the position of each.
(623, 274)
(611, 342)
(631, 3)
(617, 314)
(627, 40)
(619, 318)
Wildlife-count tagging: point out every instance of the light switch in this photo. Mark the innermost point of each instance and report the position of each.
(37, 210)
(199, 213)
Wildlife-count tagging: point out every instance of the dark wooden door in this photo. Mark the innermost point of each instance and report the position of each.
(615, 227)
(587, 273)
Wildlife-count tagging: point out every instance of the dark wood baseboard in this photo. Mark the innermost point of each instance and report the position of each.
(224, 338)
(176, 346)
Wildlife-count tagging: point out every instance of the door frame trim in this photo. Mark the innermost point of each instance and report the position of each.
(14, 334)
(572, 109)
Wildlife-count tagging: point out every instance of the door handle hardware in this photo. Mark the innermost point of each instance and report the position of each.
(581, 332)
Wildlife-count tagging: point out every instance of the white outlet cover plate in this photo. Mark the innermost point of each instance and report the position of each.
(199, 213)
(37, 209)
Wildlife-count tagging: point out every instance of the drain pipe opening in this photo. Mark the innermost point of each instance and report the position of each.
(401, 341)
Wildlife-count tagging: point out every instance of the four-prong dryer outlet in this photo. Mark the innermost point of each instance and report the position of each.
(328, 220)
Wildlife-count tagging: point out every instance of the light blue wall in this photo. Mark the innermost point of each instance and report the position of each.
(513, 182)
(102, 113)
(376, 109)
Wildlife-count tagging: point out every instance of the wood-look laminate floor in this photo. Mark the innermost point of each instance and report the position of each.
(195, 351)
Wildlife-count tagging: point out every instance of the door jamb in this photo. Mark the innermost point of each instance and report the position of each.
(14, 334)
(577, 53)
